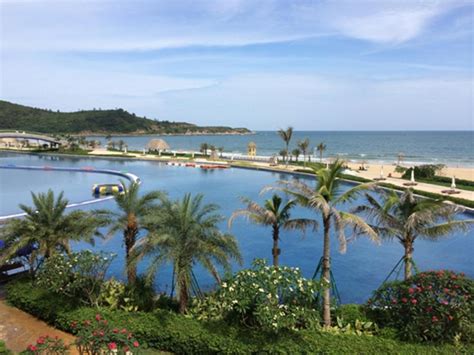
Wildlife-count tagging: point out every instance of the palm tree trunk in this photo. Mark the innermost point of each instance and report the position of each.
(130, 236)
(320, 156)
(327, 273)
(183, 295)
(287, 154)
(275, 250)
(408, 259)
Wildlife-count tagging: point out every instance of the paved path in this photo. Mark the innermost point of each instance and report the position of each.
(19, 329)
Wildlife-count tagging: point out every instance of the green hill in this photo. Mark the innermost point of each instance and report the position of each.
(117, 121)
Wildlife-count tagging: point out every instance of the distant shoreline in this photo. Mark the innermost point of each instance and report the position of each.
(162, 134)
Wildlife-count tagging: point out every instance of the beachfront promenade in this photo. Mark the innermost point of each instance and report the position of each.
(372, 172)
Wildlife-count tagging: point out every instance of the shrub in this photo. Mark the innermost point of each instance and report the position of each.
(430, 306)
(427, 171)
(350, 313)
(97, 336)
(3, 349)
(264, 296)
(77, 275)
(48, 346)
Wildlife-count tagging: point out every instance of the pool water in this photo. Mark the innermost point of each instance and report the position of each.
(358, 272)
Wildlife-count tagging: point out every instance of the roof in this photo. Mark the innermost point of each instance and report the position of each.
(157, 144)
(252, 145)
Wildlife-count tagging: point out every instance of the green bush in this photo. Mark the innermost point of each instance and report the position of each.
(77, 275)
(350, 313)
(3, 349)
(430, 306)
(427, 171)
(169, 331)
(264, 297)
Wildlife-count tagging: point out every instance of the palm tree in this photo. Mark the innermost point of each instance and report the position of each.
(283, 154)
(321, 148)
(48, 228)
(304, 146)
(204, 147)
(185, 233)
(296, 153)
(324, 198)
(276, 214)
(286, 136)
(133, 208)
(221, 150)
(407, 218)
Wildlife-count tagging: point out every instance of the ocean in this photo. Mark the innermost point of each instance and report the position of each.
(453, 148)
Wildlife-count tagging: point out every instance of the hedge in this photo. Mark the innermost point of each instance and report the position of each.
(172, 332)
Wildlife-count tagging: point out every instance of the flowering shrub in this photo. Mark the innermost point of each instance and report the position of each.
(46, 345)
(430, 306)
(264, 296)
(97, 337)
(78, 275)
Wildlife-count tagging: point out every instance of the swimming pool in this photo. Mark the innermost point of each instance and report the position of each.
(357, 273)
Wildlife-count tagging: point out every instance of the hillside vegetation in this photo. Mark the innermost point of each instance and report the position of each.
(24, 118)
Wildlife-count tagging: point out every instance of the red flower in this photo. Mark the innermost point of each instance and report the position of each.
(429, 287)
(434, 319)
(136, 344)
(115, 330)
(429, 309)
(404, 300)
(73, 324)
(40, 340)
(112, 346)
(32, 347)
(124, 331)
(450, 317)
(97, 317)
(411, 290)
(101, 333)
(413, 301)
(446, 290)
(394, 301)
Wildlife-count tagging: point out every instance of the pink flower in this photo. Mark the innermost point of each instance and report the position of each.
(413, 301)
(97, 317)
(450, 317)
(124, 331)
(136, 344)
(115, 330)
(434, 319)
(40, 340)
(444, 302)
(446, 290)
(404, 300)
(112, 346)
(429, 309)
(411, 291)
(101, 333)
(32, 348)
(394, 301)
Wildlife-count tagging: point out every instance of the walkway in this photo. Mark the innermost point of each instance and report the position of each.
(19, 329)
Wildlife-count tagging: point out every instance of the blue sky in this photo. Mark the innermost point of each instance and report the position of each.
(315, 65)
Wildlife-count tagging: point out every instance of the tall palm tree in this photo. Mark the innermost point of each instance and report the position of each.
(48, 227)
(286, 135)
(407, 218)
(203, 148)
(304, 146)
(133, 208)
(276, 214)
(321, 148)
(325, 198)
(185, 233)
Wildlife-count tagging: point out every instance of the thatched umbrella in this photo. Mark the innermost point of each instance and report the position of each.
(157, 145)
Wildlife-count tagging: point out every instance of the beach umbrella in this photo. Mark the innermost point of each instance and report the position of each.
(381, 172)
(144, 151)
(453, 183)
(327, 166)
(157, 145)
(412, 175)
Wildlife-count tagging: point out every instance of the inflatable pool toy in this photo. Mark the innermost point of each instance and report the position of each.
(107, 189)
